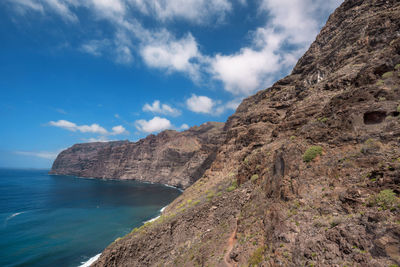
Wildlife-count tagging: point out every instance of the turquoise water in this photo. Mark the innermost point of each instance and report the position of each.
(48, 220)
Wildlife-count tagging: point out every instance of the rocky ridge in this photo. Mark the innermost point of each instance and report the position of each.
(173, 158)
(309, 172)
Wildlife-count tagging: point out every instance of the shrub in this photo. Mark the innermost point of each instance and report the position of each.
(292, 137)
(323, 120)
(233, 186)
(386, 199)
(257, 256)
(254, 177)
(398, 108)
(387, 74)
(371, 145)
(379, 82)
(312, 153)
(397, 67)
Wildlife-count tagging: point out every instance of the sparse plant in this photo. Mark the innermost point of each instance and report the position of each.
(257, 257)
(379, 82)
(292, 137)
(323, 119)
(397, 67)
(254, 177)
(371, 145)
(311, 153)
(386, 199)
(387, 74)
(233, 186)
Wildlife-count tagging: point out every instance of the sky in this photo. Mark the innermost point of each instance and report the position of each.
(74, 71)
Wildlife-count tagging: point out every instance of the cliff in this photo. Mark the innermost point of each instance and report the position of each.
(309, 172)
(171, 157)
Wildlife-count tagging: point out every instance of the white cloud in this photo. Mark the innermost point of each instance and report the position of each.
(98, 139)
(117, 130)
(156, 124)
(165, 52)
(94, 128)
(184, 127)
(40, 154)
(157, 107)
(200, 104)
(292, 23)
(196, 11)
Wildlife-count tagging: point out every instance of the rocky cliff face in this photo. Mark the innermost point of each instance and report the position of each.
(173, 158)
(309, 172)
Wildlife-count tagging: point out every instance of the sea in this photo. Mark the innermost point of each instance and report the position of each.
(54, 220)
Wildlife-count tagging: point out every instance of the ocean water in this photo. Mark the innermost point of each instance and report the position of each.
(48, 220)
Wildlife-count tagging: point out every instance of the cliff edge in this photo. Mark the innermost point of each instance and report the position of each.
(309, 171)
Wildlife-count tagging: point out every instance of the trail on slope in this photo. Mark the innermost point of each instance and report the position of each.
(231, 243)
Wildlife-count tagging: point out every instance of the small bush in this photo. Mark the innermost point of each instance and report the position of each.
(312, 153)
(397, 67)
(387, 74)
(233, 186)
(371, 145)
(386, 199)
(254, 177)
(292, 137)
(323, 120)
(398, 108)
(257, 257)
(379, 82)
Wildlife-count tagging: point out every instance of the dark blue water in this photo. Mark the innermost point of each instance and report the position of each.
(48, 220)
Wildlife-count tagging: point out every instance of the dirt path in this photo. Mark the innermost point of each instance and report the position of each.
(231, 243)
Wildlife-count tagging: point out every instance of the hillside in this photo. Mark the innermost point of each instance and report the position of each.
(309, 172)
(171, 157)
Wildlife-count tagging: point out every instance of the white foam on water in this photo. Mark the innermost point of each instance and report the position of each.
(90, 261)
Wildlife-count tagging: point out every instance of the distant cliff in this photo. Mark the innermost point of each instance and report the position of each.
(171, 157)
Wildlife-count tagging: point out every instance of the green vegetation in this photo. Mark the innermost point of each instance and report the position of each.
(382, 99)
(254, 177)
(379, 82)
(233, 186)
(398, 108)
(292, 137)
(386, 199)
(257, 256)
(323, 120)
(210, 196)
(387, 74)
(397, 67)
(312, 153)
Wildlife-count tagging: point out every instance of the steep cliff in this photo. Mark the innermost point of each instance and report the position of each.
(309, 172)
(173, 158)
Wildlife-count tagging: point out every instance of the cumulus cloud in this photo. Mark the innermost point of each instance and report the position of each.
(40, 154)
(200, 104)
(166, 52)
(94, 128)
(156, 124)
(291, 25)
(157, 107)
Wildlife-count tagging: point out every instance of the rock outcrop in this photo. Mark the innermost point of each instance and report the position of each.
(309, 172)
(173, 158)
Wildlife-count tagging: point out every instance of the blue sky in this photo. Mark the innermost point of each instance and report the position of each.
(74, 71)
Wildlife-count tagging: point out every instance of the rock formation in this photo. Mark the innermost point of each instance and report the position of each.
(171, 157)
(309, 172)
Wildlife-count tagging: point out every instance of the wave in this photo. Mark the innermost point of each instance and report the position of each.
(12, 216)
(155, 218)
(90, 261)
